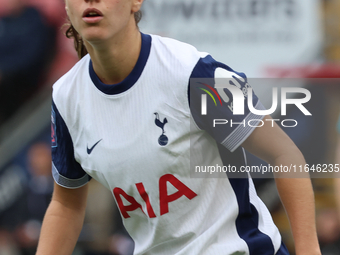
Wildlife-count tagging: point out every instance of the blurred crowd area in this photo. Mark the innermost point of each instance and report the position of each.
(33, 50)
(34, 53)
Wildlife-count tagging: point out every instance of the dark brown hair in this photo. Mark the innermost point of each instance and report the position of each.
(78, 41)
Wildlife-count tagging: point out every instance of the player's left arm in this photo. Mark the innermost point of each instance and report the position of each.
(337, 174)
(271, 144)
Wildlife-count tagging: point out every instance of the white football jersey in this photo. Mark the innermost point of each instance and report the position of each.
(141, 138)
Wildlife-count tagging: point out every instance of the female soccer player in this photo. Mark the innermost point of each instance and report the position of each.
(122, 115)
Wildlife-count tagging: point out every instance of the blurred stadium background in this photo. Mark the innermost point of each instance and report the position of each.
(263, 38)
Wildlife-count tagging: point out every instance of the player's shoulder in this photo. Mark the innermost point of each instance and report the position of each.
(208, 67)
(203, 64)
(68, 90)
(176, 51)
(172, 44)
(68, 82)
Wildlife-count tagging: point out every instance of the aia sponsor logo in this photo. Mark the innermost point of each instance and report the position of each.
(164, 198)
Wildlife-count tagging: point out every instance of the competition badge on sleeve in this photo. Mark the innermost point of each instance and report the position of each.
(53, 130)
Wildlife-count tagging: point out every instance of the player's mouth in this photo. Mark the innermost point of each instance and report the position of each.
(92, 15)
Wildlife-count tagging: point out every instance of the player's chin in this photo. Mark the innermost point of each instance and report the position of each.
(93, 34)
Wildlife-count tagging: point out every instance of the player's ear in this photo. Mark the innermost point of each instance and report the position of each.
(136, 5)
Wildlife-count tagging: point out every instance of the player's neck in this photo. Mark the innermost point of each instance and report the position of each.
(114, 61)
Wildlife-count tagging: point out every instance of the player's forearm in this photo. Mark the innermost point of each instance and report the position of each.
(337, 177)
(298, 200)
(60, 230)
(297, 197)
(274, 146)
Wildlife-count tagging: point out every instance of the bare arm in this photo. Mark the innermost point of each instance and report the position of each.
(63, 221)
(276, 148)
(337, 178)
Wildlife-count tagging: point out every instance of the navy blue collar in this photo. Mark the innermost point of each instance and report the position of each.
(132, 78)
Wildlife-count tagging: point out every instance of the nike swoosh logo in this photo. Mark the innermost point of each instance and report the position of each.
(89, 151)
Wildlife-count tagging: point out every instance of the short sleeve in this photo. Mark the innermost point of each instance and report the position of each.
(67, 172)
(212, 105)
